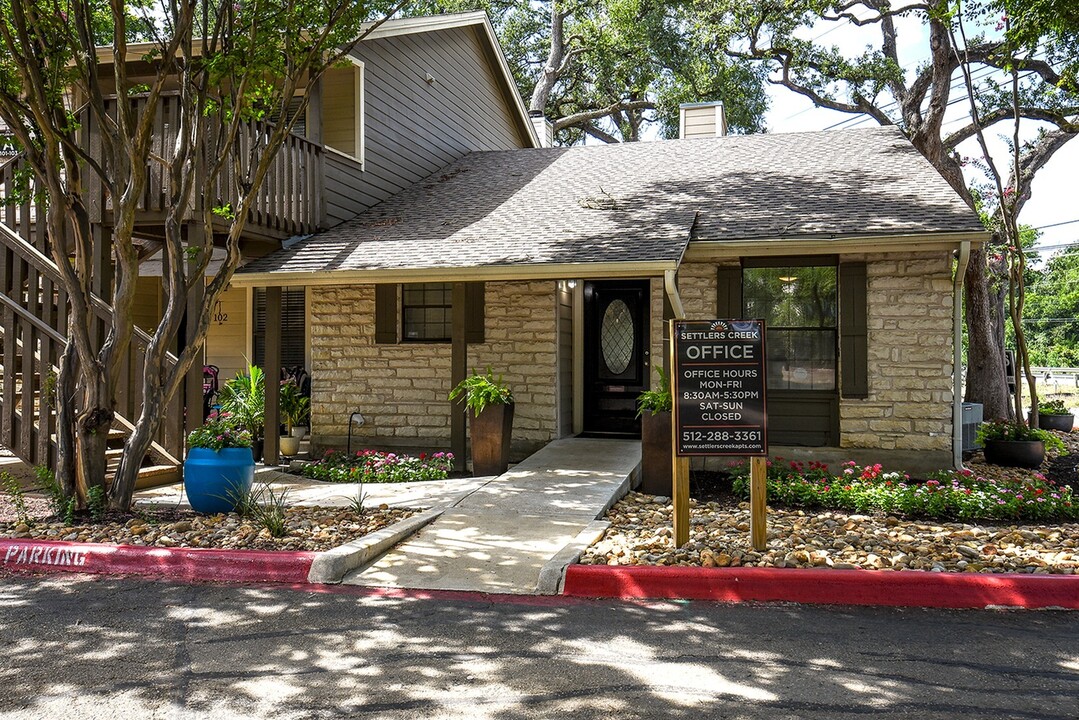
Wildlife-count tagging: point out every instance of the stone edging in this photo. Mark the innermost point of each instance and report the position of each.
(332, 565)
(207, 564)
(553, 573)
(824, 586)
(177, 563)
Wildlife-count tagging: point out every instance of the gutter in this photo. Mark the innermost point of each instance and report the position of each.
(957, 354)
(524, 271)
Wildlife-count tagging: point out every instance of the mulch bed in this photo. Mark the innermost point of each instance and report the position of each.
(307, 528)
(640, 533)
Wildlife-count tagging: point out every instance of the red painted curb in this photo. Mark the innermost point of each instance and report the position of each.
(177, 563)
(824, 586)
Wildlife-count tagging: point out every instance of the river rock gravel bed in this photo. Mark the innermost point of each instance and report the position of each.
(307, 529)
(640, 534)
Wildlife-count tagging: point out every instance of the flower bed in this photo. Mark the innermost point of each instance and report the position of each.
(372, 466)
(945, 495)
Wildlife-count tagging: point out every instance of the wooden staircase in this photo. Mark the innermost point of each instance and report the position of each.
(33, 322)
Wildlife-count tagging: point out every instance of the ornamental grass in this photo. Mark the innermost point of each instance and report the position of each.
(945, 495)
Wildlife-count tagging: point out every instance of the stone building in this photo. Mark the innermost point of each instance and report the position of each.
(560, 265)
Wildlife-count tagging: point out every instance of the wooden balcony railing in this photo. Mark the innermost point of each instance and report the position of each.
(289, 201)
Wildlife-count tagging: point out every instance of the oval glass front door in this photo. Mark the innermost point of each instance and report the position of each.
(616, 337)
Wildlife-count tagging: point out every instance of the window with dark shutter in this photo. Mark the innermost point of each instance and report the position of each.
(426, 312)
(293, 328)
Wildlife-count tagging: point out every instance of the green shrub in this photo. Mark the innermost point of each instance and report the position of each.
(1000, 430)
(482, 390)
(656, 401)
(218, 434)
(946, 495)
(372, 466)
(1052, 407)
(14, 491)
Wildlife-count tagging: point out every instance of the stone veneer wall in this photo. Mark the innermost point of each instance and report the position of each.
(910, 350)
(401, 389)
(910, 356)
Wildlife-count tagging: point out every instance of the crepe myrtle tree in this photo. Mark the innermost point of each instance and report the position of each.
(69, 62)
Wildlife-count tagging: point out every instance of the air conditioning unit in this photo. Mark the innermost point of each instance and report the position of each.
(972, 418)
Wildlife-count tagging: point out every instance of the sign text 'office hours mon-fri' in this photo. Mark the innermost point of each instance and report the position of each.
(719, 387)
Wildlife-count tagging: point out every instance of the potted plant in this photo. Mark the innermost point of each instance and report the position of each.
(490, 410)
(243, 398)
(294, 408)
(219, 468)
(1054, 415)
(654, 410)
(1014, 444)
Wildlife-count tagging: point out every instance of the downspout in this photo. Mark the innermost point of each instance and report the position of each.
(957, 359)
(671, 287)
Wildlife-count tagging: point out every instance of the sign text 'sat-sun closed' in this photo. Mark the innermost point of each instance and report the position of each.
(720, 406)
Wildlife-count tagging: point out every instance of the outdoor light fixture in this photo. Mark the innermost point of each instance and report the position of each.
(571, 284)
(787, 278)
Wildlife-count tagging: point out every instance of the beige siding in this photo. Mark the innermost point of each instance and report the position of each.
(565, 361)
(402, 389)
(227, 339)
(339, 109)
(700, 122)
(147, 310)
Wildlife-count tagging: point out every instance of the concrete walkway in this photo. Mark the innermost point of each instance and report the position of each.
(515, 533)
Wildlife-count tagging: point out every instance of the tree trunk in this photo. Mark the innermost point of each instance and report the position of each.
(986, 377)
(92, 435)
(65, 421)
(135, 449)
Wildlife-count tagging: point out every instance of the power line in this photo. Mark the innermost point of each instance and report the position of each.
(1066, 222)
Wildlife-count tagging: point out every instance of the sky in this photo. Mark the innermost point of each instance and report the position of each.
(1055, 193)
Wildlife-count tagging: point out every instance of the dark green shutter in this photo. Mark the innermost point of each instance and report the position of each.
(386, 313)
(853, 331)
(474, 321)
(729, 292)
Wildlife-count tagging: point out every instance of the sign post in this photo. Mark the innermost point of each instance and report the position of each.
(719, 408)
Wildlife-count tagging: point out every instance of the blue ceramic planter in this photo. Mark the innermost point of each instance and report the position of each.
(215, 479)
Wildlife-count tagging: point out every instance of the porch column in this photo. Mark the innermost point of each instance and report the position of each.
(458, 370)
(273, 376)
(193, 397)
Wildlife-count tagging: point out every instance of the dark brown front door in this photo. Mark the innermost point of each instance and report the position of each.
(616, 362)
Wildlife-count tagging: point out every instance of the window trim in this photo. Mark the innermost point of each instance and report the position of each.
(448, 289)
(359, 124)
(803, 262)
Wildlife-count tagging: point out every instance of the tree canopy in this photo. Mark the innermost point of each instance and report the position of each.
(915, 90)
(609, 69)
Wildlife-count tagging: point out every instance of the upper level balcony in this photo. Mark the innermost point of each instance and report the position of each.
(290, 201)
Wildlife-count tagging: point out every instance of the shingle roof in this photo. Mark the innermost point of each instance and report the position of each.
(641, 202)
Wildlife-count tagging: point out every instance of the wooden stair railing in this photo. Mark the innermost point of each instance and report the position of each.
(33, 334)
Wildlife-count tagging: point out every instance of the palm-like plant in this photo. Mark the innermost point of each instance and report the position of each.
(244, 399)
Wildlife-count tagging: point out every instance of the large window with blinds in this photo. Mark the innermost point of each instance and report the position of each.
(800, 306)
(293, 328)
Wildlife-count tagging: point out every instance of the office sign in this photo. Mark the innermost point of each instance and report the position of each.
(719, 387)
